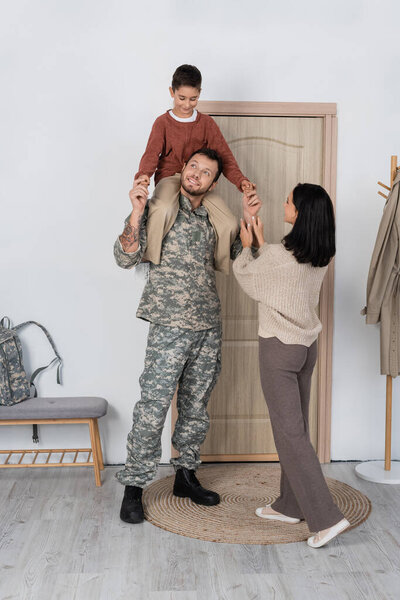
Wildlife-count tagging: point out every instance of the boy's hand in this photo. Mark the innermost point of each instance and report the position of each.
(246, 234)
(143, 179)
(251, 205)
(247, 186)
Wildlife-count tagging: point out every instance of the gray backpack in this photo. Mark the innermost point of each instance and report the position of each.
(14, 384)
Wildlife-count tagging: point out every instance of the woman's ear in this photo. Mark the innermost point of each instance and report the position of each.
(171, 91)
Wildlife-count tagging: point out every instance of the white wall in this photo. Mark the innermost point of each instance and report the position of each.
(82, 82)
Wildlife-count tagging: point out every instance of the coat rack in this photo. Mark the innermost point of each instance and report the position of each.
(385, 471)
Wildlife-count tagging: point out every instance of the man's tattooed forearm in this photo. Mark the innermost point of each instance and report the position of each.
(129, 236)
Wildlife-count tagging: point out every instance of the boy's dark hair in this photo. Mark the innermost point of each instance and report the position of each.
(186, 75)
(312, 238)
(213, 155)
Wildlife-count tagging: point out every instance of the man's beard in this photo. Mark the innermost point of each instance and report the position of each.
(199, 192)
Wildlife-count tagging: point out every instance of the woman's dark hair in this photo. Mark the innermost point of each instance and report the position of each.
(186, 75)
(213, 154)
(312, 239)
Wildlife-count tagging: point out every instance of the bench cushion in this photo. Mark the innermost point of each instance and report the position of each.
(81, 407)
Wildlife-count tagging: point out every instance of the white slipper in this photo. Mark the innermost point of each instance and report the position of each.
(330, 534)
(277, 517)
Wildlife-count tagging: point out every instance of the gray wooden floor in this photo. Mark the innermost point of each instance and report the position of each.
(61, 539)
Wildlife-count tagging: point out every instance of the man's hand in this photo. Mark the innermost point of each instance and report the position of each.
(138, 197)
(130, 236)
(251, 205)
(246, 234)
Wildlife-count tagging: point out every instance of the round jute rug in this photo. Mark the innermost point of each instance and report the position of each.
(243, 488)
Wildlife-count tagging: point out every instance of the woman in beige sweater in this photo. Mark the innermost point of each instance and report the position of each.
(286, 279)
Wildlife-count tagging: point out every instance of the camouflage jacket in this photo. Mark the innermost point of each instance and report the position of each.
(180, 291)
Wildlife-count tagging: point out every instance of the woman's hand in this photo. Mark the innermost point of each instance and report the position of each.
(258, 229)
(246, 234)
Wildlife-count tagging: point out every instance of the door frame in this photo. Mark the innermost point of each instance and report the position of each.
(328, 112)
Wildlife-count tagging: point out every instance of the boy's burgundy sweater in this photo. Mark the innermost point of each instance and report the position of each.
(172, 142)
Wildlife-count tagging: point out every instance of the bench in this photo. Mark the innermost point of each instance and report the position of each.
(57, 411)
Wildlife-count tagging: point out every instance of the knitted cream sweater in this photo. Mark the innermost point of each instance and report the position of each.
(287, 293)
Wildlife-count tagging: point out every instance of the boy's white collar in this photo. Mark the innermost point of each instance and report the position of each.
(185, 120)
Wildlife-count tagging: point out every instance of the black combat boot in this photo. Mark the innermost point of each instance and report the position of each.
(188, 486)
(132, 507)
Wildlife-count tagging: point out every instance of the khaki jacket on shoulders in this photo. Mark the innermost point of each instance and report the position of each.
(163, 209)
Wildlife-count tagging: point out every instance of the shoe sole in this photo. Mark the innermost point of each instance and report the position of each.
(283, 518)
(132, 521)
(180, 495)
(335, 530)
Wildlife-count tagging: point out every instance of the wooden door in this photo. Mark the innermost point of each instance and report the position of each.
(276, 153)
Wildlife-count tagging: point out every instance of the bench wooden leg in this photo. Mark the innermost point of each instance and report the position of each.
(99, 450)
(93, 443)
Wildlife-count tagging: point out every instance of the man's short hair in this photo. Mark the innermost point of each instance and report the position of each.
(213, 155)
(186, 75)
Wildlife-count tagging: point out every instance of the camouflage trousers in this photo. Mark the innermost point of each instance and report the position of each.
(175, 357)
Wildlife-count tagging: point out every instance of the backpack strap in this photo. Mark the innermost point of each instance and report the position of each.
(40, 369)
(5, 322)
(35, 435)
(55, 360)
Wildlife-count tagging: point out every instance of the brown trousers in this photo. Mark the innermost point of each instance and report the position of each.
(285, 371)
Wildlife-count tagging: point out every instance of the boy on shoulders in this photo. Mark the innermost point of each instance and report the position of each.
(174, 137)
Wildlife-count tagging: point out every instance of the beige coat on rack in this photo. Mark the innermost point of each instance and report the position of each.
(383, 287)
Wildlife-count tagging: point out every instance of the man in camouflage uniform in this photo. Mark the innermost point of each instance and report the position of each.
(181, 303)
